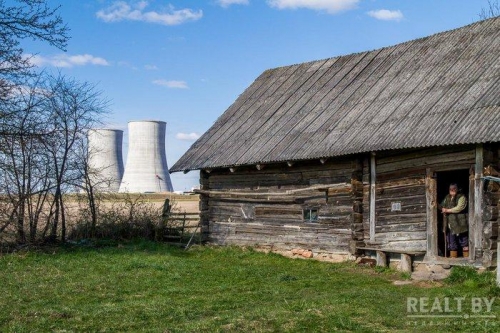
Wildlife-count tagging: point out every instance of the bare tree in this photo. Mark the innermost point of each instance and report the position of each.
(32, 19)
(24, 165)
(89, 183)
(492, 10)
(39, 156)
(75, 107)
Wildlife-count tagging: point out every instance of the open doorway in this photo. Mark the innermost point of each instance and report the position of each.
(444, 179)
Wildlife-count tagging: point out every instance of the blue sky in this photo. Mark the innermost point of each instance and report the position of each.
(185, 62)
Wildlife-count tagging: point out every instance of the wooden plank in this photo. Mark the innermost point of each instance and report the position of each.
(427, 161)
(477, 228)
(431, 198)
(391, 156)
(402, 227)
(373, 176)
(403, 191)
(367, 248)
(388, 237)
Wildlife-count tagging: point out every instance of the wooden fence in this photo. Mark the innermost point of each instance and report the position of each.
(183, 229)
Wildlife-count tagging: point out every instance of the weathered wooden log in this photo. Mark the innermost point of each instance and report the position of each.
(491, 198)
(489, 258)
(490, 230)
(357, 207)
(493, 187)
(384, 199)
(391, 156)
(402, 191)
(386, 237)
(402, 182)
(274, 193)
(407, 214)
(271, 211)
(357, 218)
(356, 227)
(426, 161)
(402, 227)
(490, 213)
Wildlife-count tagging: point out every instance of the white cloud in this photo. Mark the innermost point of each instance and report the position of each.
(330, 6)
(187, 136)
(67, 61)
(120, 11)
(171, 84)
(386, 15)
(151, 67)
(127, 64)
(227, 3)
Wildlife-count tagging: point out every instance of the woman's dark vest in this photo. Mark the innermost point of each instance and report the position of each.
(457, 222)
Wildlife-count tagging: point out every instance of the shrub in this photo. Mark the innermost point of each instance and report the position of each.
(129, 219)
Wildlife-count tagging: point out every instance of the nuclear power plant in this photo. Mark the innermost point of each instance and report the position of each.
(146, 169)
(105, 159)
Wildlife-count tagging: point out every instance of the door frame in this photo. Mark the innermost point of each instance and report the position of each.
(475, 208)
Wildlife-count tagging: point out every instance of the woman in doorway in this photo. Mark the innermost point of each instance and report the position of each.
(455, 224)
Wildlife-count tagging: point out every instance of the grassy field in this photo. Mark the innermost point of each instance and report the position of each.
(150, 287)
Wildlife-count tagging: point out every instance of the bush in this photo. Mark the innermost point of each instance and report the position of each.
(130, 219)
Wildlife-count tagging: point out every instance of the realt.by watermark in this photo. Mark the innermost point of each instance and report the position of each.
(450, 307)
(451, 312)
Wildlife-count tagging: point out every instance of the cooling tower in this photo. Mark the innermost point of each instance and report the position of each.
(146, 169)
(105, 158)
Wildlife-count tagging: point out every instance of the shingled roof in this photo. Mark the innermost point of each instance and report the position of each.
(434, 91)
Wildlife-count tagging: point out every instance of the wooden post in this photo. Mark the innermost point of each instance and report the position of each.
(431, 203)
(381, 259)
(373, 179)
(405, 265)
(476, 229)
(498, 260)
(204, 207)
(183, 226)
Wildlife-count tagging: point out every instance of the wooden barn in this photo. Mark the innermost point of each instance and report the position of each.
(352, 155)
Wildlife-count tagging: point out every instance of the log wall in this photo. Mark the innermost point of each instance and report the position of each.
(490, 207)
(265, 207)
(400, 181)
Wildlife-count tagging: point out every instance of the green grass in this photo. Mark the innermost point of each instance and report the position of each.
(150, 287)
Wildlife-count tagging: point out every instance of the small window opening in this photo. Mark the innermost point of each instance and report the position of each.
(395, 206)
(310, 215)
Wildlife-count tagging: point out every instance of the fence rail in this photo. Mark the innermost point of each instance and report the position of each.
(182, 229)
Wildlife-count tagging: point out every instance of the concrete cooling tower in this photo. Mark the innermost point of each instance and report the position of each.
(146, 169)
(105, 158)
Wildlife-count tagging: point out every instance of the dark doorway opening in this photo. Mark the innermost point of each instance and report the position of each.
(443, 180)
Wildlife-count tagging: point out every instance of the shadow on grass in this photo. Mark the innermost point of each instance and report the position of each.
(98, 245)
